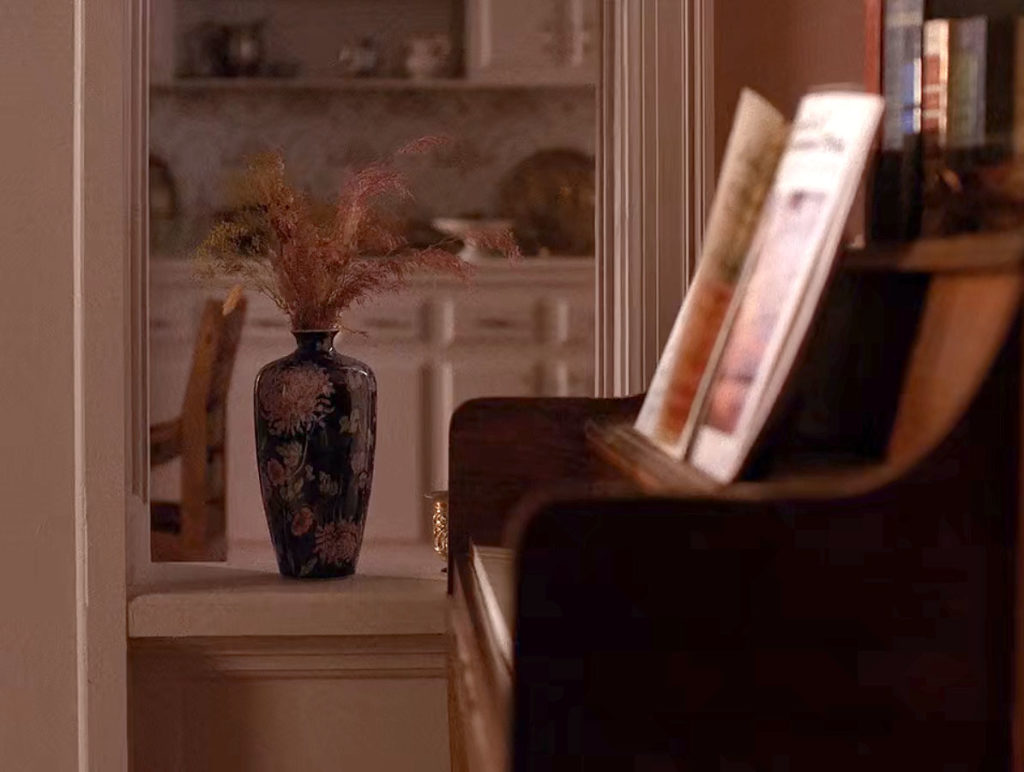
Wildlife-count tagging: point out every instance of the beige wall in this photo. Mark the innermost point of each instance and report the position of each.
(62, 249)
(38, 714)
(782, 47)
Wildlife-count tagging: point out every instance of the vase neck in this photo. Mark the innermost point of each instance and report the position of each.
(315, 340)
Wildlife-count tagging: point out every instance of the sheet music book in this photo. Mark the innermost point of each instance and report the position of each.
(738, 335)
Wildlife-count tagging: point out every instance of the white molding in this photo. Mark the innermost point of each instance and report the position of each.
(102, 178)
(291, 658)
(656, 146)
(137, 288)
(137, 276)
(323, 702)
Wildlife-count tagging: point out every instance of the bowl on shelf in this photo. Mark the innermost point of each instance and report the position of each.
(467, 230)
(549, 196)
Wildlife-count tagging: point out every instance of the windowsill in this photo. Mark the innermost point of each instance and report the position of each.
(399, 589)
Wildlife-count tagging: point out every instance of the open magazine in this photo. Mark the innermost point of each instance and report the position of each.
(751, 155)
(784, 263)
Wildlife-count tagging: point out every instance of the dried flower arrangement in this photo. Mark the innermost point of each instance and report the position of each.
(314, 265)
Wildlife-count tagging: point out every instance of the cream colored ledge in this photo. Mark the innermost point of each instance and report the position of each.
(399, 590)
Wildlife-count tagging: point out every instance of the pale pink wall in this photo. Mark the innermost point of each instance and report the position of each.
(781, 48)
(38, 656)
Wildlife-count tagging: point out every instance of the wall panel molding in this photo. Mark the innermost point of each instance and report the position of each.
(656, 168)
(320, 657)
(281, 703)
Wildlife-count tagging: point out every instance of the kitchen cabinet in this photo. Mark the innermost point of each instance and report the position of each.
(518, 330)
(532, 41)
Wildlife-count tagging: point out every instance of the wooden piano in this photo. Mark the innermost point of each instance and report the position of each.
(853, 604)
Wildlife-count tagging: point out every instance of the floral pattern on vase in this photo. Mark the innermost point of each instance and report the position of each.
(316, 416)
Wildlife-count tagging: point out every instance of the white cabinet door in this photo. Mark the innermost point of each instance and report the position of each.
(401, 463)
(566, 374)
(259, 346)
(498, 374)
(532, 41)
(580, 375)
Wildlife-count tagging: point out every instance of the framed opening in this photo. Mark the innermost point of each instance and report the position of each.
(334, 87)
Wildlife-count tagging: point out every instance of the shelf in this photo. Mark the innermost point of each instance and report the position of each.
(399, 589)
(193, 85)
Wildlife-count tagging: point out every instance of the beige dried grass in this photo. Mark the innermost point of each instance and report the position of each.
(315, 267)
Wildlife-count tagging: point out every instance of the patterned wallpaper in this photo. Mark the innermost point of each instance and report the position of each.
(204, 136)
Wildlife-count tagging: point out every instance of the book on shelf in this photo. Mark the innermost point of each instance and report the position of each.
(896, 189)
(966, 83)
(766, 263)
(959, 167)
(935, 86)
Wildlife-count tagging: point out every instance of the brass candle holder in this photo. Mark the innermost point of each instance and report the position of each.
(439, 521)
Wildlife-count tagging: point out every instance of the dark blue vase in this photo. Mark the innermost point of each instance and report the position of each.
(316, 416)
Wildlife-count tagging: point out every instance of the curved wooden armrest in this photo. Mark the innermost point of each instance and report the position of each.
(164, 441)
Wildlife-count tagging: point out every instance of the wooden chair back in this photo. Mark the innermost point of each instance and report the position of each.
(202, 438)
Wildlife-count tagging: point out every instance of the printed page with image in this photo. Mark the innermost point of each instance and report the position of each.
(789, 263)
(755, 145)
